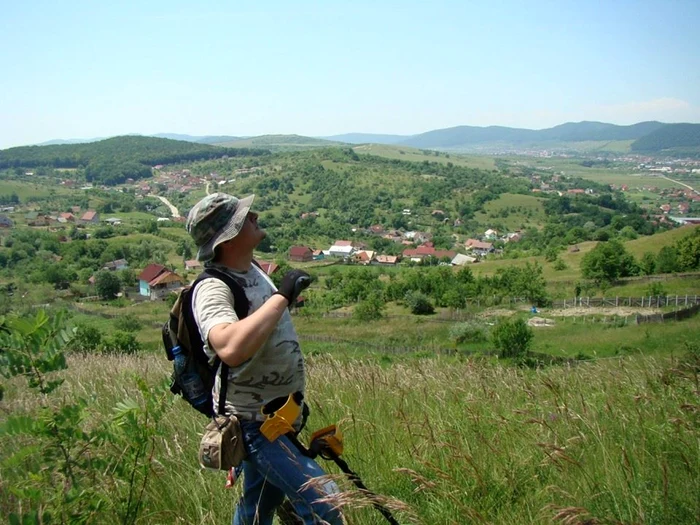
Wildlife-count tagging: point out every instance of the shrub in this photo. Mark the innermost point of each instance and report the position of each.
(655, 288)
(122, 343)
(370, 309)
(560, 265)
(419, 303)
(512, 338)
(128, 323)
(87, 338)
(468, 333)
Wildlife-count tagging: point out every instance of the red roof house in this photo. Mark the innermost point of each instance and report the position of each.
(148, 274)
(300, 254)
(268, 267)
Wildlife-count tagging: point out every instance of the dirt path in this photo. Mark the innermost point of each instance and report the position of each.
(681, 183)
(173, 209)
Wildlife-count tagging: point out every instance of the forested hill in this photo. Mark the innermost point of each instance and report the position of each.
(465, 136)
(113, 160)
(146, 150)
(672, 138)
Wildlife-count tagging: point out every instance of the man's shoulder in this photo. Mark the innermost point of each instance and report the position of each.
(210, 287)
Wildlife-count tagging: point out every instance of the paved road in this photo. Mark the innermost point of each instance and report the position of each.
(173, 209)
(682, 184)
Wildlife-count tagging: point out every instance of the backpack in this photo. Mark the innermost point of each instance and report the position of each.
(193, 375)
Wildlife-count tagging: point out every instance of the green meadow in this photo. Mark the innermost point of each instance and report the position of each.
(514, 211)
(416, 155)
(441, 439)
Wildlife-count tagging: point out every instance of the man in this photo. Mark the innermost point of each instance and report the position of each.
(263, 353)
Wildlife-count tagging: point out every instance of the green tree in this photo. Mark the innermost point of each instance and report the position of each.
(647, 265)
(122, 343)
(667, 260)
(87, 338)
(127, 323)
(559, 265)
(608, 261)
(127, 277)
(455, 299)
(512, 338)
(551, 254)
(184, 249)
(107, 284)
(688, 249)
(419, 303)
(370, 309)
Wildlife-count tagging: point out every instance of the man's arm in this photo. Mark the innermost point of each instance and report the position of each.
(237, 342)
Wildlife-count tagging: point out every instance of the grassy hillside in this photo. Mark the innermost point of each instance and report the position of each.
(637, 247)
(515, 211)
(443, 440)
(615, 174)
(417, 155)
(367, 138)
(653, 243)
(280, 142)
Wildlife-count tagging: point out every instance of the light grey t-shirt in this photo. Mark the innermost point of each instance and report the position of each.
(276, 370)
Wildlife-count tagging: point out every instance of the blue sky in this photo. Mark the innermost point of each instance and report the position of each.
(78, 69)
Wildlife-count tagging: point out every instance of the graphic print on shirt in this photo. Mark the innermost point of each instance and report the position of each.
(277, 368)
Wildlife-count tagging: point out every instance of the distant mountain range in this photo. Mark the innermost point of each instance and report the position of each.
(466, 136)
(208, 139)
(644, 137)
(368, 138)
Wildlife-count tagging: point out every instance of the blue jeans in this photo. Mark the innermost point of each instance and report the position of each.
(275, 470)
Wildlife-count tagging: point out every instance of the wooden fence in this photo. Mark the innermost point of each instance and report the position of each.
(676, 315)
(654, 301)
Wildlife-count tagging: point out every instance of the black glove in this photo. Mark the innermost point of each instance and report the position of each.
(293, 282)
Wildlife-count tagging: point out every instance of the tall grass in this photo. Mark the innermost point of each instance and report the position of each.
(452, 441)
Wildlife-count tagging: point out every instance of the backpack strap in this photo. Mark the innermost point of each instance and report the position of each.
(240, 306)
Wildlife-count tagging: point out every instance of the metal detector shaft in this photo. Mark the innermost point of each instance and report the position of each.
(352, 476)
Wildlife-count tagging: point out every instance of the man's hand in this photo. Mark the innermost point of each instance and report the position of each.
(293, 282)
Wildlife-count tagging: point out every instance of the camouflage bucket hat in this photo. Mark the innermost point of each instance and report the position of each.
(215, 219)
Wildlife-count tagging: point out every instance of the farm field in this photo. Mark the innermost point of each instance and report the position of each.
(618, 175)
(31, 189)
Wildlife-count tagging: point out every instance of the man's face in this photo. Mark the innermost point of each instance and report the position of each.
(251, 233)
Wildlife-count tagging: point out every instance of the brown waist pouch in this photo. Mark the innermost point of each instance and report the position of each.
(222, 445)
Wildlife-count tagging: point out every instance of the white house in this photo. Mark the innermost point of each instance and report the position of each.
(340, 251)
(460, 260)
(491, 234)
